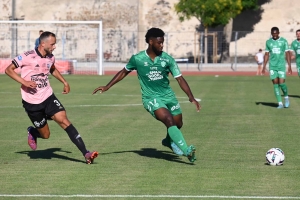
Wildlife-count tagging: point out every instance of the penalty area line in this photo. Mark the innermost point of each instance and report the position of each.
(149, 196)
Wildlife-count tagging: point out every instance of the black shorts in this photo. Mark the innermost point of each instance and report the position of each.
(39, 113)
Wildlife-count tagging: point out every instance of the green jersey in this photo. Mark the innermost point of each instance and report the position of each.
(295, 46)
(153, 75)
(277, 49)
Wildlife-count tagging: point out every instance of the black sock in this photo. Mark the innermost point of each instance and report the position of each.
(34, 132)
(76, 139)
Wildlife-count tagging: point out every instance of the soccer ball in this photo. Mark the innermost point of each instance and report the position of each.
(275, 157)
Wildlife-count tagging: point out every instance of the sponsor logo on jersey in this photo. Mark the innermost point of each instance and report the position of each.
(164, 59)
(163, 63)
(29, 52)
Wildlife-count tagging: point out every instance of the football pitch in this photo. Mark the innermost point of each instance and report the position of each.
(236, 126)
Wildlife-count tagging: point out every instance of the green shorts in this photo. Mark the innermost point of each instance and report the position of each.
(154, 103)
(277, 74)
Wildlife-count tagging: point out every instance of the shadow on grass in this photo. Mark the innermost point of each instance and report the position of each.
(294, 96)
(48, 154)
(267, 104)
(154, 153)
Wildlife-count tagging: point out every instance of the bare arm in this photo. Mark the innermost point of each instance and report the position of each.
(10, 71)
(118, 77)
(59, 77)
(266, 59)
(186, 88)
(288, 59)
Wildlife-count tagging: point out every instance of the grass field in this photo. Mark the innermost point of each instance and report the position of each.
(238, 123)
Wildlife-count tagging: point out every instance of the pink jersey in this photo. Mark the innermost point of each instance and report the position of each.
(35, 68)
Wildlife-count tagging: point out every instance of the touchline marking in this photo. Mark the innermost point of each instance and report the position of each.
(149, 196)
(98, 105)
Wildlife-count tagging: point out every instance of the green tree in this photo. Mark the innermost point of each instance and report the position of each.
(212, 13)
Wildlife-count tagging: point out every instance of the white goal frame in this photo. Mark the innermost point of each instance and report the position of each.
(100, 70)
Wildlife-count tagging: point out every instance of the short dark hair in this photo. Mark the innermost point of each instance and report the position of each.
(274, 29)
(46, 34)
(259, 50)
(41, 31)
(298, 30)
(154, 32)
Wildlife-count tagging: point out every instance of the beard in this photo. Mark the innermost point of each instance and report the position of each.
(156, 51)
(48, 52)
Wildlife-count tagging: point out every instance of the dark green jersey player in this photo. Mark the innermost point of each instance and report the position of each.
(277, 50)
(153, 67)
(295, 46)
(153, 74)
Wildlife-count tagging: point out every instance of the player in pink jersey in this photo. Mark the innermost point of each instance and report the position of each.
(38, 98)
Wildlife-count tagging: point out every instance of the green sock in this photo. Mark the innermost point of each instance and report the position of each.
(284, 89)
(277, 92)
(177, 137)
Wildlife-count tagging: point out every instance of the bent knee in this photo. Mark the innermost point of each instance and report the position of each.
(179, 125)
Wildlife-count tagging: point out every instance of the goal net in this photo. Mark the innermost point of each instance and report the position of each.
(78, 43)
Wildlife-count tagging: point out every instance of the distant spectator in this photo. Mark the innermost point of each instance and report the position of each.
(37, 41)
(259, 57)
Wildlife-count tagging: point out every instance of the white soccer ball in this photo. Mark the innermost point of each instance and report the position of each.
(275, 156)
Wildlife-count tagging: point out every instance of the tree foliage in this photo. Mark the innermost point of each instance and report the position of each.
(212, 13)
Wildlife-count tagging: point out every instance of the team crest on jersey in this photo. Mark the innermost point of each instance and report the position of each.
(163, 63)
(145, 63)
(48, 65)
(19, 57)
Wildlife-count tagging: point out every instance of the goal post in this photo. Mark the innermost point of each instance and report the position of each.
(79, 43)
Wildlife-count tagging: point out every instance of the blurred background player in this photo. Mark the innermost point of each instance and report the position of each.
(259, 57)
(38, 98)
(277, 49)
(295, 50)
(37, 41)
(153, 67)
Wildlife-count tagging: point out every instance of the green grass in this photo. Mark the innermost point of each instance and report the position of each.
(237, 124)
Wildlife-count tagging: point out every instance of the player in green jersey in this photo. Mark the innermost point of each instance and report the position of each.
(295, 47)
(277, 49)
(153, 67)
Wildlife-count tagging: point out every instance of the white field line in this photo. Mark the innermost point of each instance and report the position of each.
(106, 94)
(148, 196)
(95, 105)
(102, 105)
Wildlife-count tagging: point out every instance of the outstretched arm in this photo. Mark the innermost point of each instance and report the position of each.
(186, 88)
(59, 77)
(10, 71)
(118, 77)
